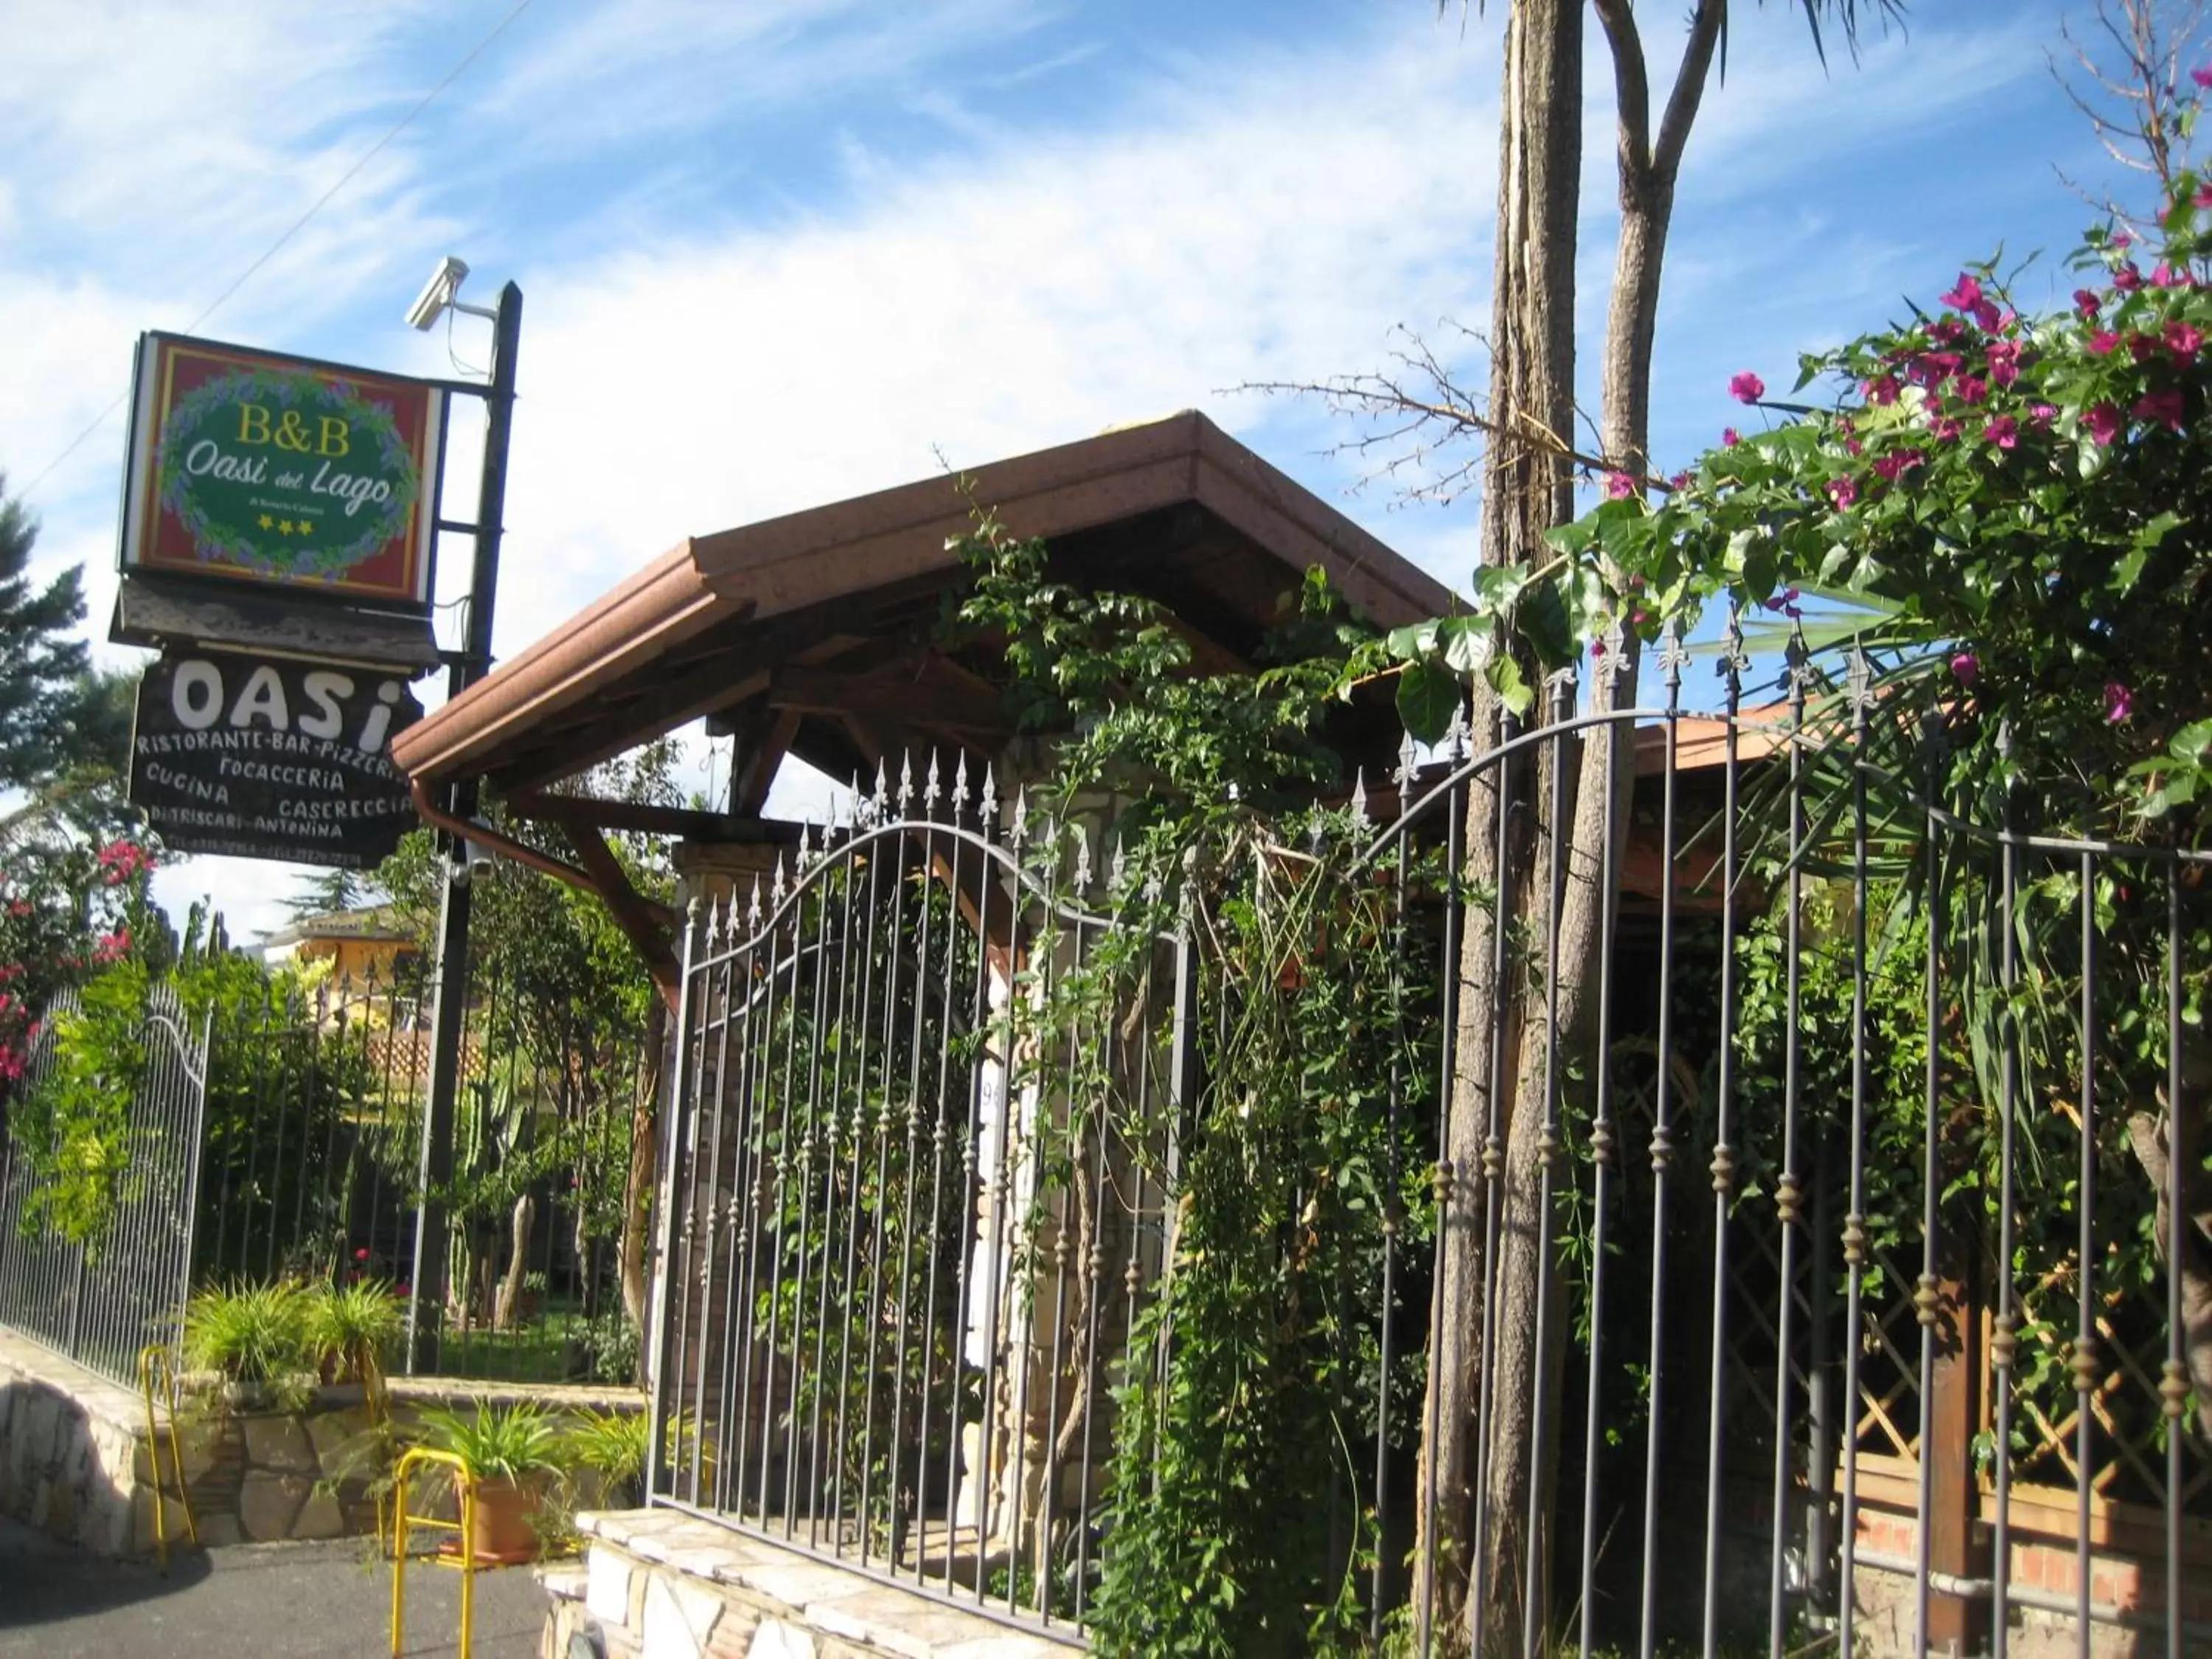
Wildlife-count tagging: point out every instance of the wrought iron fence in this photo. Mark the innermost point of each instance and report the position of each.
(313, 1161)
(1834, 1271)
(101, 1292)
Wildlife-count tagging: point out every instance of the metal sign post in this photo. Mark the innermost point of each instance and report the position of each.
(453, 960)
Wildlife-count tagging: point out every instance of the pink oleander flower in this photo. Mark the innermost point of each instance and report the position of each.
(1882, 389)
(1618, 486)
(2159, 408)
(1970, 389)
(1729, 437)
(1747, 387)
(1844, 492)
(2127, 278)
(1966, 666)
(2102, 343)
(2004, 362)
(1898, 462)
(1966, 296)
(2103, 421)
(2183, 339)
(2003, 432)
(2088, 303)
(2119, 703)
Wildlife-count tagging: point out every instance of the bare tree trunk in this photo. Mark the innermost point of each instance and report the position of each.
(518, 1263)
(1528, 490)
(1527, 1356)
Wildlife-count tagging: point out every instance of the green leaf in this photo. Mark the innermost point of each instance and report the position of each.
(1428, 697)
(1542, 620)
(1505, 677)
(1467, 642)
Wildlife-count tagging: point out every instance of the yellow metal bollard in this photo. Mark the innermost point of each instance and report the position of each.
(157, 1361)
(464, 1555)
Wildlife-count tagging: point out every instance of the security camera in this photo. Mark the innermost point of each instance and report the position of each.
(438, 293)
(476, 858)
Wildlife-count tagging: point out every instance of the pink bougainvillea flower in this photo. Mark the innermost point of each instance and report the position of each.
(1844, 492)
(2042, 414)
(1966, 296)
(1945, 428)
(1898, 462)
(2161, 408)
(1618, 486)
(361, 1254)
(1967, 666)
(2119, 703)
(1747, 387)
(1883, 389)
(2127, 278)
(113, 947)
(2183, 339)
(2102, 342)
(1970, 389)
(2203, 196)
(2123, 238)
(1853, 446)
(2103, 421)
(1680, 481)
(1932, 368)
(2003, 432)
(2143, 347)
(1729, 437)
(1986, 312)
(1949, 332)
(2004, 362)
(2087, 302)
(2166, 275)
(2202, 76)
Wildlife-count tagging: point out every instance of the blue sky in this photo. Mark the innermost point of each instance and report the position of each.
(782, 251)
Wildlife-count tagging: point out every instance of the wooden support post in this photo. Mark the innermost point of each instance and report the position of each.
(1957, 1625)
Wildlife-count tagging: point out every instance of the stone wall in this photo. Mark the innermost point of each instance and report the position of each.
(658, 1585)
(74, 1460)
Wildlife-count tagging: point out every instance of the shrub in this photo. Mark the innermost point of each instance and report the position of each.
(612, 1446)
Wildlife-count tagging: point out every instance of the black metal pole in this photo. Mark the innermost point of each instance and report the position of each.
(427, 1295)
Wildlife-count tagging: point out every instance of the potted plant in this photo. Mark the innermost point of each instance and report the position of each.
(251, 1335)
(510, 1452)
(349, 1329)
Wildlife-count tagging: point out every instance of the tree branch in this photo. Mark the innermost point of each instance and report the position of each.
(1705, 28)
(1631, 88)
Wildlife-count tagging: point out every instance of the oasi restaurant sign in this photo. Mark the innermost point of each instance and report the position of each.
(257, 467)
(270, 758)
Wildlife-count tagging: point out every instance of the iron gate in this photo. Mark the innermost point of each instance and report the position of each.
(101, 1299)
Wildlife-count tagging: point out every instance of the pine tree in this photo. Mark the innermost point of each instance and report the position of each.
(47, 709)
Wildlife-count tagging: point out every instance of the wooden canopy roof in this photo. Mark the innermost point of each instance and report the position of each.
(817, 633)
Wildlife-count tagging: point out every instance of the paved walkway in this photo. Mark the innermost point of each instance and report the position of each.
(266, 1601)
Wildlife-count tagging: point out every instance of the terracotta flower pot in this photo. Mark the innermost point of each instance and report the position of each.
(504, 1534)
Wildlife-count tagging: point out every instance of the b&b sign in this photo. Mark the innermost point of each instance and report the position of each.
(272, 759)
(282, 470)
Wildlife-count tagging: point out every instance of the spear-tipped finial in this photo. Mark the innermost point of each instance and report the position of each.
(753, 911)
(906, 782)
(1117, 872)
(1673, 656)
(777, 892)
(1734, 662)
(988, 806)
(1359, 796)
(1019, 831)
(1611, 652)
(931, 793)
(1859, 678)
(959, 781)
(1081, 859)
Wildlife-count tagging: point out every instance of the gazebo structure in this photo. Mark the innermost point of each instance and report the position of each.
(818, 635)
